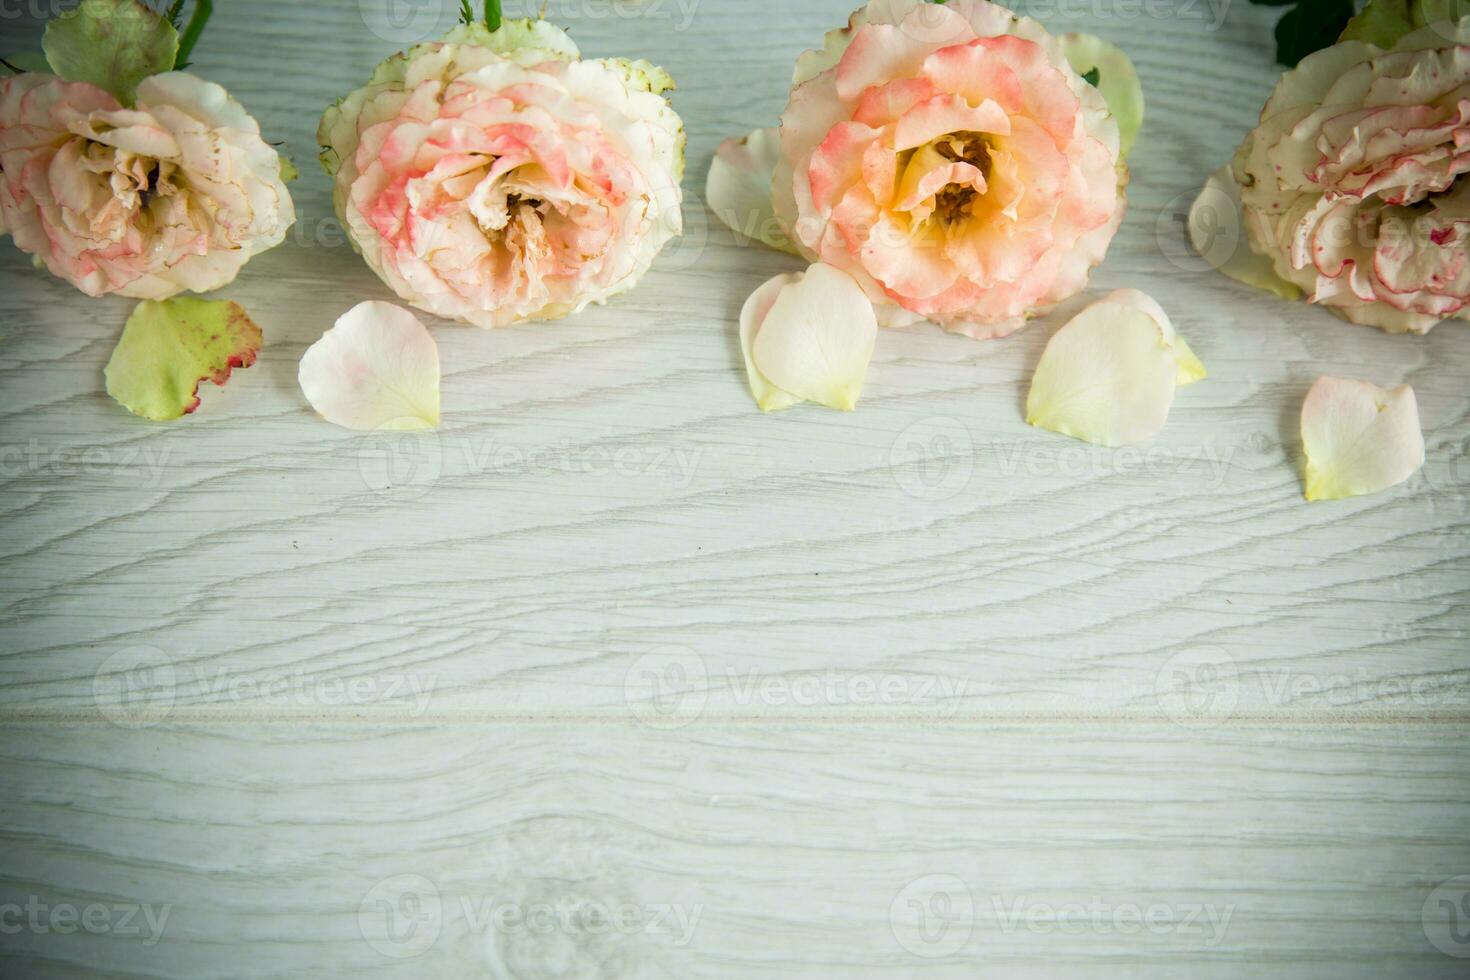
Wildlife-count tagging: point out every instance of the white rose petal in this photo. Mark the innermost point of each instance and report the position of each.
(757, 308)
(1108, 377)
(818, 338)
(738, 190)
(1359, 438)
(1190, 367)
(376, 369)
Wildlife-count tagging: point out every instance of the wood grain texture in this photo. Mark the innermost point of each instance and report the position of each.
(611, 625)
(738, 852)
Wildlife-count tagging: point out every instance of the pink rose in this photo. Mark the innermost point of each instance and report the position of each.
(497, 178)
(950, 160)
(1351, 184)
(175, 194)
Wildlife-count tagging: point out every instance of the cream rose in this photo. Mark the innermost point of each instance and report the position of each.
(1351, 185)
(950, 160)
(174, 194)
(497, 177)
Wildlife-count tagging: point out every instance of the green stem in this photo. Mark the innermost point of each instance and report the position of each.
(492, 14)
(11, 67)
(202, 11)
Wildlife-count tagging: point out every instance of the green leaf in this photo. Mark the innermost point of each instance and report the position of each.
(492, 14)
(169, 346)
(466, 12)
(1382, 22)
(1092, 77)
(113, 44)
(1311, 26)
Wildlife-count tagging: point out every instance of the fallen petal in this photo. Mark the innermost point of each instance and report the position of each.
(1107, 377)
(376, 369)
(169, 346)
(1359, 438)
(738, 190)
(1190, 367)
(757, 308)
(818, 338)
(1217, 232)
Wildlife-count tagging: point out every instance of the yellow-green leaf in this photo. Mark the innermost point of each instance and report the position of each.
(1382, 22)
(169, 346)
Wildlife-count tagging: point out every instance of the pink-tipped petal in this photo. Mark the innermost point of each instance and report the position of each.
(1359, 438)
(376, 369)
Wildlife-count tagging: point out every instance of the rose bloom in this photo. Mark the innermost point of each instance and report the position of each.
(174, 194)
(1351, 183)
(497, 178)
(951, 161)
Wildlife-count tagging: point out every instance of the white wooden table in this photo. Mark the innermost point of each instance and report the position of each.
(615, 677)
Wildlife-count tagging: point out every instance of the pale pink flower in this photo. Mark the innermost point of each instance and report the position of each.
(1352, 183)
(497, 178)
(174, 194)
(951, 161)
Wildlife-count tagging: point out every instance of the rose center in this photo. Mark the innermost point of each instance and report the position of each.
(133, 180)
(953, 203)
(150, 185)
(944, 179)
(515, 201)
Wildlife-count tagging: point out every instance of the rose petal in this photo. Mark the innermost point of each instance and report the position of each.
(168, 347)
(376, 369)
(1117, 80)
(757, 308)
(1191, 369)
(1108, 376)
(1217, 232)
(738, 190)
(818, 338)
(1359, 438)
